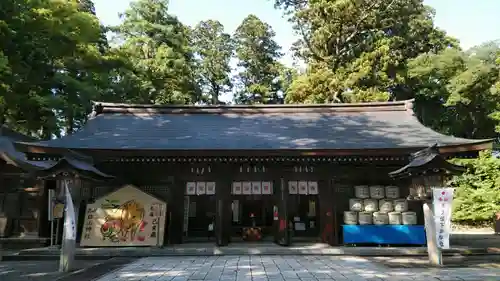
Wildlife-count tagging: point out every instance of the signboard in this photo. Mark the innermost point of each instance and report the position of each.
(256, 187)
(292, 187)
(51, 198)
(191, 188)
(442, 200)
(200, 187)
(126, 217)
(247, 187)
(312, 187)
(303, 187)
(267, 187)
(185, 223)
(236, 187)
(210, 188)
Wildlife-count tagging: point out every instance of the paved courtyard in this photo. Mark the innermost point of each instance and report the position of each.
(291, 268)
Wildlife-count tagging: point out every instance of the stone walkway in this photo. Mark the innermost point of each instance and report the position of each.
(290, 268)
(36, 270)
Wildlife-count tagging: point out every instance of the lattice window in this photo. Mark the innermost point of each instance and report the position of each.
(159, 191)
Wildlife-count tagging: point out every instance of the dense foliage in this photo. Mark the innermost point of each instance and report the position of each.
(477, 190)
(55, 58)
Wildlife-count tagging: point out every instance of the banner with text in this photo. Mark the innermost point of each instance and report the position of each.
(442, 201)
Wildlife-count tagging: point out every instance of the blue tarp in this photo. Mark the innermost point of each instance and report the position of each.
(384, 234)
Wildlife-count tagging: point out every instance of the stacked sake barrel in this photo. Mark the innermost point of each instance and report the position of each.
(378, 205)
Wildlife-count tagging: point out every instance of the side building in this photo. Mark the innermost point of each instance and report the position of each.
(282, 173)
(21, 198)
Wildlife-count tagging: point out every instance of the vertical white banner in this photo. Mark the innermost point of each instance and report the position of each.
(69, 220)
(442, 201)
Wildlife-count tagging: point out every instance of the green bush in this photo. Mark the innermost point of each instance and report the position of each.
(477, 194)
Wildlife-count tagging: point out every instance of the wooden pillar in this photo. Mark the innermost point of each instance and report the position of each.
(326, 212)
(283, 234)
(43, 208)
(433, 251)
(223, 213)
(176, 212)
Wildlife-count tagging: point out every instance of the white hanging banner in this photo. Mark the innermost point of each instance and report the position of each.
(200, 187)
(236, 187)
(190, 188)
(256, 188)
(302, 187)
(267, 187)
(442, 201)
(292, 187)
(246, 187)
(210, 186)
(313, 187)
(69, 219)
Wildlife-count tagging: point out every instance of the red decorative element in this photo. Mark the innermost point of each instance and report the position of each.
(282, 225)
(327, 232)
(141, 227)
(443, 193)
(140, 238)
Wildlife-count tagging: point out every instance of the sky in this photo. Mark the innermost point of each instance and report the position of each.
(472, 22)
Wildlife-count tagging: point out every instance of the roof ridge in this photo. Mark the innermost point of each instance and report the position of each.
(107, 107)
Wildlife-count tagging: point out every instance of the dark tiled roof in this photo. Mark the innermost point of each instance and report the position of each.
(70, 161)
(333, 126)
(13, 135)
(425, 160)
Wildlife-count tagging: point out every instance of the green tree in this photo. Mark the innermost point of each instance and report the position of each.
(214, 50)
(258, 54)
(160, 59)
(477, 195)
(359, 48)
(457, 92)
(39, 40)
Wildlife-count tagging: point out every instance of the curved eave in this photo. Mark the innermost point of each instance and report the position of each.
(475, 146)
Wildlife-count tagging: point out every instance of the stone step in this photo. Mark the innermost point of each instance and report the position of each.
(242, 249)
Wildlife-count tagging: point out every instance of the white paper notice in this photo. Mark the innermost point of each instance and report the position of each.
(442, 201)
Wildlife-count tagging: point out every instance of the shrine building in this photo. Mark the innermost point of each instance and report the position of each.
(226, 173)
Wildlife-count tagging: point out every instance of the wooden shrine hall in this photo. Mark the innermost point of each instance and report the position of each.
(282, 173)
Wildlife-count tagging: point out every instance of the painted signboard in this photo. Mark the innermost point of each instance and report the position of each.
(126, 217)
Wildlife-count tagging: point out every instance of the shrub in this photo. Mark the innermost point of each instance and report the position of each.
(477, 194)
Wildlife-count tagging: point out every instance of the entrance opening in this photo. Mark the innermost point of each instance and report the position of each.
(252, 218)
(304, 214)
(199, 212)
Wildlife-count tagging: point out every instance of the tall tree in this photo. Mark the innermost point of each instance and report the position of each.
(360, 48)
(156, 43)
(214, 50)
(258, 54)
(33, 69)
(458, 92)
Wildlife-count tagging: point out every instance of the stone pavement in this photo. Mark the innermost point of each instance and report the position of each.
(35, 270)
(290, 268)
(47, 270)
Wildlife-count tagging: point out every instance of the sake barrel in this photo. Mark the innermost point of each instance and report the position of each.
(385, 205)
(380, 218)
(377, 192)
(400, 205)
(394, 218)
(392, 192)
(365, 218)
(350, 217)
(356, 204)
(371, 205)
(362, 191)
(409, 218)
